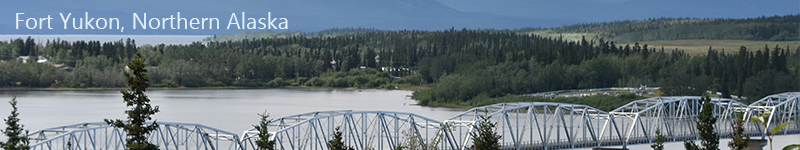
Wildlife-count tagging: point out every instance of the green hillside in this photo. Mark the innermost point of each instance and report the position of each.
(775, 28)
(657, 31)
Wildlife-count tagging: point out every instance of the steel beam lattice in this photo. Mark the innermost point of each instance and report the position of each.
(783, 107)
(524, 125)
(539, 126)
(360, 130)
(676, 118)
(99, 135)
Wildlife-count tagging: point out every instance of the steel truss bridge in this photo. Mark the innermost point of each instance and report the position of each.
(524, 125)
(99, 135)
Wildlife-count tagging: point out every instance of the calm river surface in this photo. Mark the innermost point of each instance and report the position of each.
(233, 110)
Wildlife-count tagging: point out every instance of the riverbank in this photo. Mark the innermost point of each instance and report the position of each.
(602, 102)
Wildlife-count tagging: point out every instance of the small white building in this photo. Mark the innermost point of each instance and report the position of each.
(39, 59)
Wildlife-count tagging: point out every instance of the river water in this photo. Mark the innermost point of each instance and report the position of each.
(233, 110)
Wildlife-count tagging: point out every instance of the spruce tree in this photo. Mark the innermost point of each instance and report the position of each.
(485, 138)
(17, 140)
(705, 123)
(263, 141)
(660, 138)
(136, 126)
(337, 142)
(738, 141)
(705, 126)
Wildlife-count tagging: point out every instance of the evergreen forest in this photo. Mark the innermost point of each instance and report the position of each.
(461, 66)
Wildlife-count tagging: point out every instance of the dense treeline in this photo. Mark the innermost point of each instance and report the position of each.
(97, 64)
(774, 28)
(252, 35)
(464, 65)
(254, 62)
(579, 65)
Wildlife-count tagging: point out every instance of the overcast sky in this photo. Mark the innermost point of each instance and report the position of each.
(575, 11)
(315, 15)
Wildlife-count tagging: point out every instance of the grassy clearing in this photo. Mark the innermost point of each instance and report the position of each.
(691, 46)
(700, 46)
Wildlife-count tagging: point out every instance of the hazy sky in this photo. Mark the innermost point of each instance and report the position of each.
(575, 11)
(314, 15)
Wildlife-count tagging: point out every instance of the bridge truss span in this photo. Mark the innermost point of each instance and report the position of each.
(360, 129)
(783, 107)
(99, 135)
(521, 125)
(539, 125)
(676, 118)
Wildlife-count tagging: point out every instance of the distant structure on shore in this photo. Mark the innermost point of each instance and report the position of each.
(642, 90)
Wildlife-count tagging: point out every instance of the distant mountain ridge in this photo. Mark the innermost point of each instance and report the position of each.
(774, 28)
